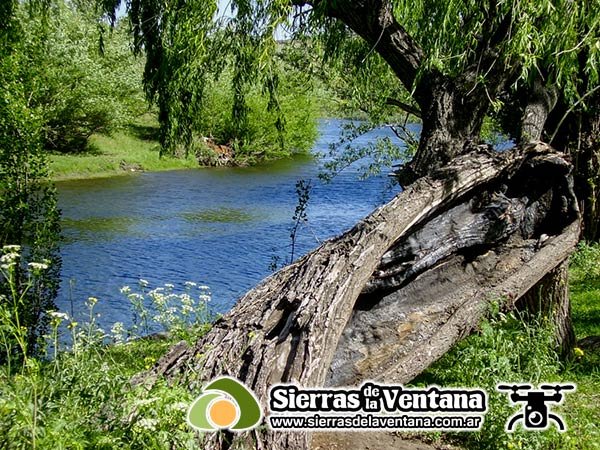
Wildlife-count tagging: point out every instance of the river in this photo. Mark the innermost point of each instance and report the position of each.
(220, 227)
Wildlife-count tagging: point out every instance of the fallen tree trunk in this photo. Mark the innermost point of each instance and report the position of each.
(389, 297)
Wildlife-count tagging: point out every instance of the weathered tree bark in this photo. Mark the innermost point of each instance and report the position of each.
(540, 101)
(329, 319)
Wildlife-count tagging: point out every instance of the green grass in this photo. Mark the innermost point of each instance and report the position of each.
(515, 348)
(136, 146)
(585, 290)
(84, 398)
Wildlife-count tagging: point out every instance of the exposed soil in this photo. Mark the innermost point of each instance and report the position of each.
(372, 440)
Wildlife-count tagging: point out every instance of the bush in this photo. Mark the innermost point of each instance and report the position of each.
(258, 137)
(82, 397)
(77, 89)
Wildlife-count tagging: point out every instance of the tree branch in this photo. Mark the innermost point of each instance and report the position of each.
(404, 106)
(374, 21)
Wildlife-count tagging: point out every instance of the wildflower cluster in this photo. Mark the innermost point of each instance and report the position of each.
(163, 309)
(19, 318)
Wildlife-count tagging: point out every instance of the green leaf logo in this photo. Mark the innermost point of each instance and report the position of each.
(225, 403)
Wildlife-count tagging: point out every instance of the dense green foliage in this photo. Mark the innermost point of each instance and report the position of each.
(512, 41)
(83, 397)
(540, 35)
(208, 76)
(258, 136)
(28, 211)
(77, 86)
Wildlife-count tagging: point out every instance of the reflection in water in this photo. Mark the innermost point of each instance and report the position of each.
(232, 215)
(220, 227)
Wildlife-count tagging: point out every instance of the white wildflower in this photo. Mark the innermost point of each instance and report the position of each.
(143, 283)
(179, 406)
(58, 315)
(186, 309)
(9, 258)
(37, 267)
(125, 290)
(117, 332)
(135, 297)
(186, 299)
(11, 248)
(190, 284)
(148, 424)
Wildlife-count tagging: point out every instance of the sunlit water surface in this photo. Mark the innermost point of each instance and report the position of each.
(218, 227)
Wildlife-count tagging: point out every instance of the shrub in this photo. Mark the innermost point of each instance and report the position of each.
(78, 89)
(259, 137)
(82, 397)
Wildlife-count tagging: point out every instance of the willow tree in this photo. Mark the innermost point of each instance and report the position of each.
(454, 61)
(451, 63)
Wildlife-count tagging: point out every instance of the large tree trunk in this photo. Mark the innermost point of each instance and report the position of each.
(393, 294)
(577, 133)
(451, 119)
(549, 298)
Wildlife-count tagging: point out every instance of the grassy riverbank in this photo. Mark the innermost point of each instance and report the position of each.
(136, 148)
(133, 148)
(83, 398)
(510, 348)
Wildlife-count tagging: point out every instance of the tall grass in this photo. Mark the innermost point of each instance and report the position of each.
(79, 394)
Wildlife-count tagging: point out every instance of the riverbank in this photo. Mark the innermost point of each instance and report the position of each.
(132, 149)
(42, 403)
(136, 148)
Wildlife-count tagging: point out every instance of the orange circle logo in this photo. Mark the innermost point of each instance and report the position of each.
(222, 413)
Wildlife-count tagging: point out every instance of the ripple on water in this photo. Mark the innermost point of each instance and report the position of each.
(224, 215)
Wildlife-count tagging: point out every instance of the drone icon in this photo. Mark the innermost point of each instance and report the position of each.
(535, 414)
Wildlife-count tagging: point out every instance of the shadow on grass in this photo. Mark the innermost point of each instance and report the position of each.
(144, 132)
(86, 149)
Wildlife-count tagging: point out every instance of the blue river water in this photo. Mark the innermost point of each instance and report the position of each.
(220, 227)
